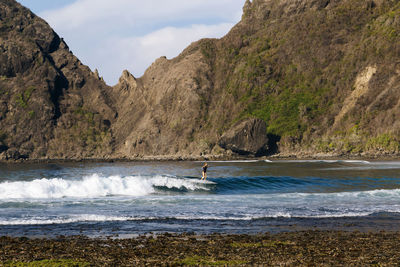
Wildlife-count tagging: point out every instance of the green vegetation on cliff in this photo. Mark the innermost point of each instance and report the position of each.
(294, 67)
(23, 98)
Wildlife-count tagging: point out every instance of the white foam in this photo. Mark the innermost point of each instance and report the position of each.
(234, 161)
(232, 218)
(371, 194)
(338, 215)
(357, 161)
(324, 161)
(73, 219)
(102, 218)
(189, 184)
(95, 186)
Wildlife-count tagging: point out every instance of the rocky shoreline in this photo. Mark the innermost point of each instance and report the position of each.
(295, 156)
(302, 248)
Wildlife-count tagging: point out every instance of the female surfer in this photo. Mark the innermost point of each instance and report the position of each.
(205, 166)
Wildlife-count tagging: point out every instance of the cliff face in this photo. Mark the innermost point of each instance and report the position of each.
(333, 82)
(51, 106)
(324, 76)
(160, 113)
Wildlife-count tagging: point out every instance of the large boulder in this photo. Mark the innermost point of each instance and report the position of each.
(247, 137)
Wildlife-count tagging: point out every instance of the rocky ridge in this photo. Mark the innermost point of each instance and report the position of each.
(52, 106)
(320, 77)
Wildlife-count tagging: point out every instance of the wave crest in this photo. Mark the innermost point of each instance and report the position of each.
(96, 186)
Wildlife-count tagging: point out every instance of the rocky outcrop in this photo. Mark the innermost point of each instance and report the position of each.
(161, 112)
(51, 105)
(248, 137)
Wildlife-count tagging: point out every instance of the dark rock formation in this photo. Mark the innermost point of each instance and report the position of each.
(248, 137)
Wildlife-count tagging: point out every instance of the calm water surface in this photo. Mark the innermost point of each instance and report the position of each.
(102, 199)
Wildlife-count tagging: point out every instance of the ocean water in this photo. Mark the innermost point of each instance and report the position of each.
(131, 198)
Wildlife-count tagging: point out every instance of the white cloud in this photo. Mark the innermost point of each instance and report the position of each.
(138, 13)
(131, 34)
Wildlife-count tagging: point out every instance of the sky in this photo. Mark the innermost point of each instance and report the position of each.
(114, 35)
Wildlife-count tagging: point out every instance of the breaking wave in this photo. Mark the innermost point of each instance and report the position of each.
(98, 186)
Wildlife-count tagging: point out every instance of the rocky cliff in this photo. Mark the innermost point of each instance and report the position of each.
(51, 106)
(323, 75)
(305, 77)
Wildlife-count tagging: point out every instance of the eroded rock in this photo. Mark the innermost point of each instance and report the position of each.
(248, 137)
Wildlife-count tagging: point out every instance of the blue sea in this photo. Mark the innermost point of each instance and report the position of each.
(125, 199)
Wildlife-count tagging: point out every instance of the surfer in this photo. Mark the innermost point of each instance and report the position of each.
(205, 166)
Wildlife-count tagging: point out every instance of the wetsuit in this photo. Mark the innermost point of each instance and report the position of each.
(205, 169)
